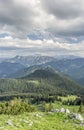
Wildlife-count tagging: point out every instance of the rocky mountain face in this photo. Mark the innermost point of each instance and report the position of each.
(13, 65)
(31, 60)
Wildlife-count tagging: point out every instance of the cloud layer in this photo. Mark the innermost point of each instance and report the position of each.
(42, 26)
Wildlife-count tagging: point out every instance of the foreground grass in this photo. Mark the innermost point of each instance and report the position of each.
(41, 120)
(38, 121)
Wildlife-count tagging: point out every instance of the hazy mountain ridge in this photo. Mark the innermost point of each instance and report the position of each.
(10, 66)
(31, 60)
(23, 65)
(26, 71)
(7, 68)
(71, 67)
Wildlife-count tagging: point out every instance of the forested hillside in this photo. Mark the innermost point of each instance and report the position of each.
(42, 83)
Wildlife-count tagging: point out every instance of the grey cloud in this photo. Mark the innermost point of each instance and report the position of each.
(68, 20)
(62, 19)
(64, 9)
(16, 18)
(11, 52)
(76, 29)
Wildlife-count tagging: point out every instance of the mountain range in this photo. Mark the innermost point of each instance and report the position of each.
(20, 66)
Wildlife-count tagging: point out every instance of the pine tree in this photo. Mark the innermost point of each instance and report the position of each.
(50, 107)
(80, 108)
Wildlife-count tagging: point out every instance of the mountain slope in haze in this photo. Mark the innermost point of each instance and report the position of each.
(70, 66)
(25, 71)
(31, 60)
(74, 68)
(7, 68)
(20, 62)
(42, 73)
(80, 81)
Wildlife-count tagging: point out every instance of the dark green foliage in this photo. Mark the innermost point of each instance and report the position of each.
(44, 108)
(50, 106)
(42, 85)
(49, 77)
(74, 68)
(15, 106)
(80, 108)
(47, 107)
(43, 73)
(77, 101)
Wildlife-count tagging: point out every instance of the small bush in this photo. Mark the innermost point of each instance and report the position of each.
(15, 106)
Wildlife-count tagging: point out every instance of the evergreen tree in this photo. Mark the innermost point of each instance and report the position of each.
(80, 108)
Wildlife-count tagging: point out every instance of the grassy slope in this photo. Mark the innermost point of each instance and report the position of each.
(69, 97)
(45, 121)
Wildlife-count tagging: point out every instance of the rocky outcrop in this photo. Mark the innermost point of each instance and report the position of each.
(74, 116)
(61, 110)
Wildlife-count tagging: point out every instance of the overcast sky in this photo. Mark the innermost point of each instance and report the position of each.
(45, 27)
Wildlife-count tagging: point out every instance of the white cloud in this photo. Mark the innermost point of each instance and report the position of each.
(46, 47)
(58, 25)
(64, 18)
